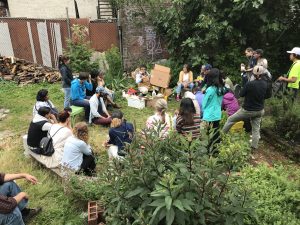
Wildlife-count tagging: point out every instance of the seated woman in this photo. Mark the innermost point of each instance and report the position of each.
(99, 114)
(120, 133)
(98, 81)
(42, 100)
(229, 103)
(188, 122)
(201, 76)
(160, 117)
(38, 128)
(78, 155)
(190, 95)
(185, 80)
(59, 133)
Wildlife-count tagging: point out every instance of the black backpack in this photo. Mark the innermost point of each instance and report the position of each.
(46, 145)
(265, 77)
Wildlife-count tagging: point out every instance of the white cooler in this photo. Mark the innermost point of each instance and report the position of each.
(136, 102)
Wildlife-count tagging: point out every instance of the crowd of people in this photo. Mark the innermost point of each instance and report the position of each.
(203, 100)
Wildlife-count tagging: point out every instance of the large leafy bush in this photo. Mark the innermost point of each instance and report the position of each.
(171, 181)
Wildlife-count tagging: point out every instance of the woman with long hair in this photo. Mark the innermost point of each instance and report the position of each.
(120, 133)
(212, 105)
(59, 133)
(78, 155)
(188, 122)
(43, 100)
(186, 80)
(66, 77)
(160, 117)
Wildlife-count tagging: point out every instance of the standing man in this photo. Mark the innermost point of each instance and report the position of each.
(253, 108)
(293, 75)
(13, 201)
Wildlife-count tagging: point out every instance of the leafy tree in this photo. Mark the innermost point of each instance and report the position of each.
(80, 51)
(218, 31)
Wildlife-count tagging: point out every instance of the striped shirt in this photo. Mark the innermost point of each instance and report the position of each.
(189, 129)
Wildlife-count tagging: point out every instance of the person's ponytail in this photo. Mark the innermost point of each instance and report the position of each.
(62, 60)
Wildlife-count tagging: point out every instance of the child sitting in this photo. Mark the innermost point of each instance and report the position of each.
(230, 103)
(120, 133)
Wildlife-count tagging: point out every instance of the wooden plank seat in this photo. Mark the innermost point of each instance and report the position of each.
(62, 171)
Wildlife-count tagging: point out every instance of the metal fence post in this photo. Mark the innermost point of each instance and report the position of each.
(120, 37)
(68, 23)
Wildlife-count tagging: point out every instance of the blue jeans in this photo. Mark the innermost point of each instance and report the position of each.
(180, 86)
(85, 104)
(67, 92)
(11, 189)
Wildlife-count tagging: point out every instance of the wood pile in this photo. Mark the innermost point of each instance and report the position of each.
(23, 72)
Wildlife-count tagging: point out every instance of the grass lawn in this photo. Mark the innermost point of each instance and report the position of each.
(58, 207)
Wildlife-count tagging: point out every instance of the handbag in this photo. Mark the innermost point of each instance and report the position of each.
(46, 144)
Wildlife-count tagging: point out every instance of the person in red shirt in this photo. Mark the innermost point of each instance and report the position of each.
(13, 201)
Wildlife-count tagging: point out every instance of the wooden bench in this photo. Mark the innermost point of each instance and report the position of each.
(76, 110)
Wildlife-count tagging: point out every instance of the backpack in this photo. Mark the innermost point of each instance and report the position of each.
(46, 144)
(265, 77)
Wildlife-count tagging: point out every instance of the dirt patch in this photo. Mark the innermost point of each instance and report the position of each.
(268, 154)
(5, 134)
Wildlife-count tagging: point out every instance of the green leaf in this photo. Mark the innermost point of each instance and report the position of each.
(177, 203)
(170, 216)
(168, 201)
(187, 204)
(154, 215)
(134, 192)
(158, 202)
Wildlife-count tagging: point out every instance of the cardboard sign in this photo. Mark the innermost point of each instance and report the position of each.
(160, 76)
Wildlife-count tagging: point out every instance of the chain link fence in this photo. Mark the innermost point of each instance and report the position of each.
(42, 41)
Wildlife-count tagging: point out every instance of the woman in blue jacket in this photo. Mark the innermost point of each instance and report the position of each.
(212, 106)
(78, 92)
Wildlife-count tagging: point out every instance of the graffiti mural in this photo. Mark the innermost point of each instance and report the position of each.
(153, 43)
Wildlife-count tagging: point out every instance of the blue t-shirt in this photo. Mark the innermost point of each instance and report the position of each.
(120, 135)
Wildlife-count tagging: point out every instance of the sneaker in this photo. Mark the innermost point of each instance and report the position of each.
(28, 214)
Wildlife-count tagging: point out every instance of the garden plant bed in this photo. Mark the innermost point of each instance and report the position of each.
(291, 150)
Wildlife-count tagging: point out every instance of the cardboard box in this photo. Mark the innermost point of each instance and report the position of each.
(160, 76)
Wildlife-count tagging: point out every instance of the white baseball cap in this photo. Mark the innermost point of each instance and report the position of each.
(295, 50)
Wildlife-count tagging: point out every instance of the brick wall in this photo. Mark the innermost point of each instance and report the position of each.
(140, 42)
(44, 9)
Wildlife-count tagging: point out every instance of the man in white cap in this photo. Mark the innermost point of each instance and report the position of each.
(293, 75)
(253, 107)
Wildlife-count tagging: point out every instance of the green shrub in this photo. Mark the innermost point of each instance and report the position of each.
(287, 125)
(79, 50)
(171, 181)
(114, 61)
(275, 192)
(234, 150)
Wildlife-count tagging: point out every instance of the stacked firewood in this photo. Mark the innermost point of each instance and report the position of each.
(23, 72)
